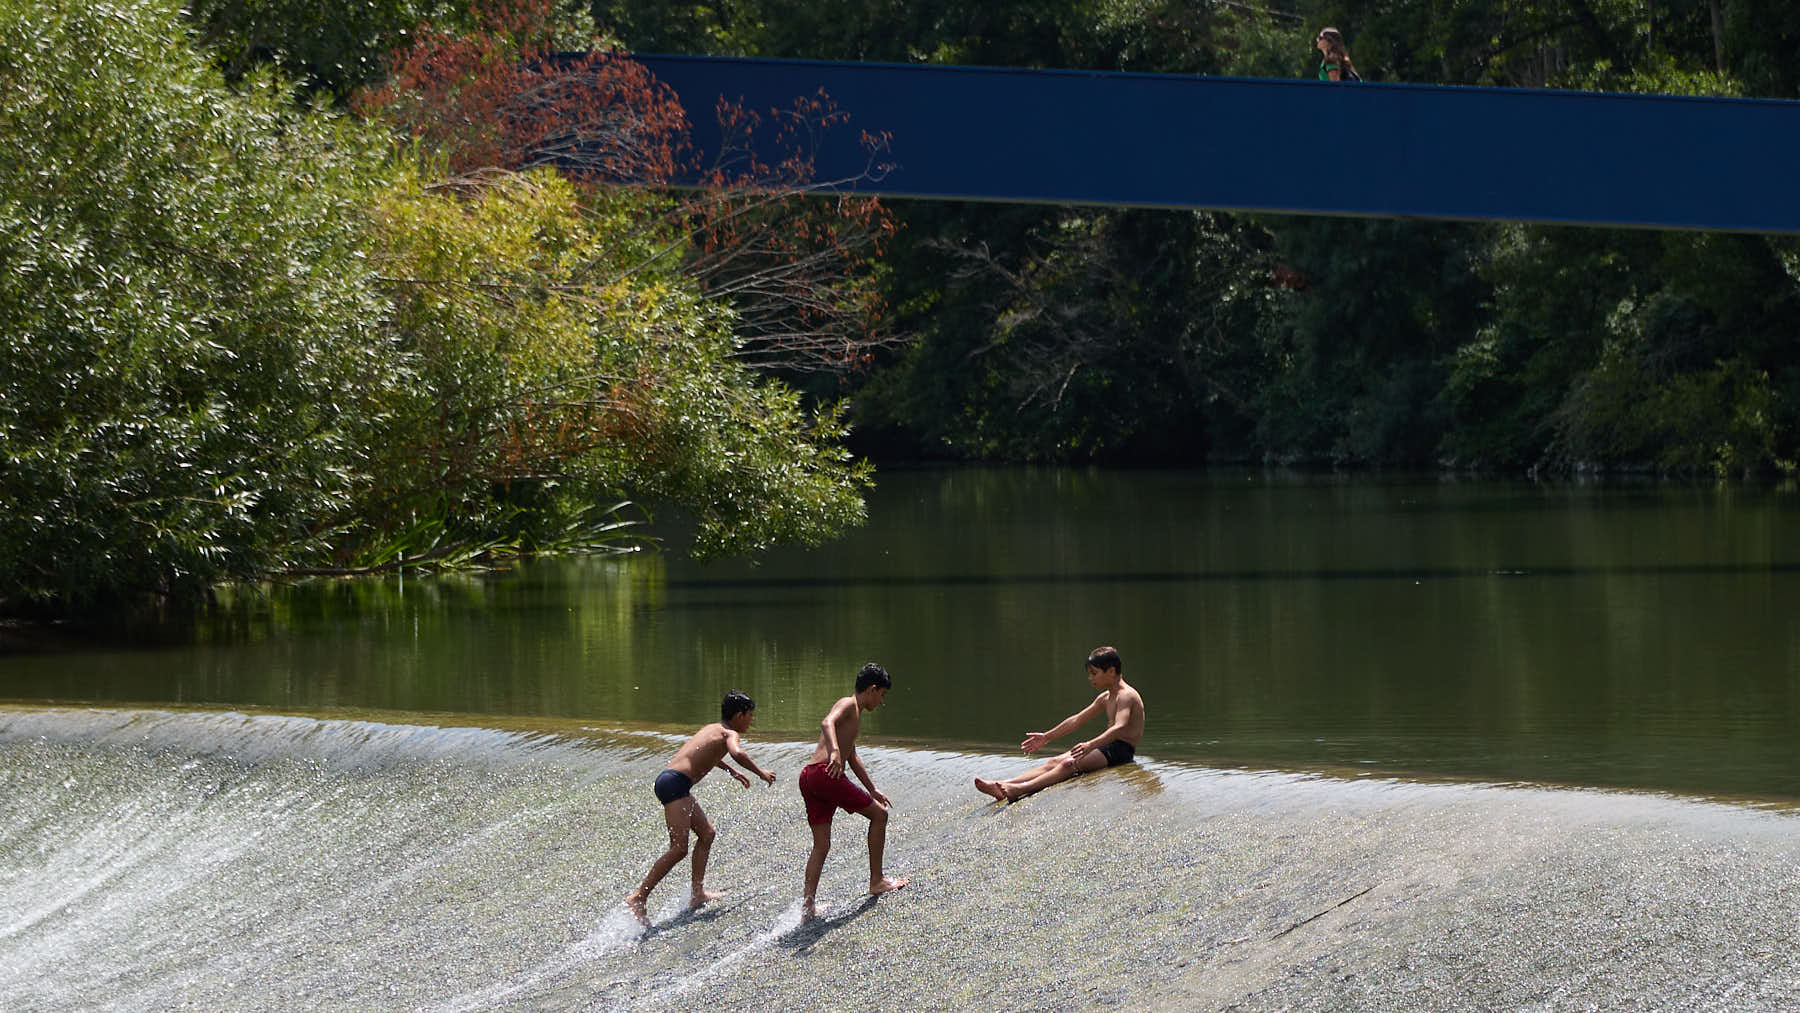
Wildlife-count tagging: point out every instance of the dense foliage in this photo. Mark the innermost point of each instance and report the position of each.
(187, 338)
(241, 337)
(378, 315)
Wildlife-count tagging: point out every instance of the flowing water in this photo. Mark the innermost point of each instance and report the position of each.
(431, 794)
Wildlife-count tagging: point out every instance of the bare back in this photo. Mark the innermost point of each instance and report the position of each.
(703, 752)
(846, 721)
(1125, 700)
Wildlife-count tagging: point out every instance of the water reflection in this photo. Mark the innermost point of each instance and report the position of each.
(1636, 636)
(1142, 779)
(1198, 576)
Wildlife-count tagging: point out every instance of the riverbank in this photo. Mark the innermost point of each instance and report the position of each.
(237, 862)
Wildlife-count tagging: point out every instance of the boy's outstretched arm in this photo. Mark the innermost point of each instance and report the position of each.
(735, 746)
(727, 768)
(1034, 741)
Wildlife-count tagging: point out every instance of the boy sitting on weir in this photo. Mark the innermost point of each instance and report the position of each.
(1124, 711)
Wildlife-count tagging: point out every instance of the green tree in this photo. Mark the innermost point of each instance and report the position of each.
(332, 48)
(1653, 351)
(642, 310)
(239, 338)
(186, 318)
(1107, 338)
(1359, 334)
(556, 364)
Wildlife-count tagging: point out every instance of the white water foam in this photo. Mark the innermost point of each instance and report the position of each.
(786, 922)
(152, 861)
(617, 930)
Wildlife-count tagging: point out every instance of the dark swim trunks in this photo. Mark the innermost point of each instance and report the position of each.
(671, 785)
(1117, 752)
(825, 795)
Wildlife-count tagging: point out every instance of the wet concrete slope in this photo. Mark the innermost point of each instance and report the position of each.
(152, 860)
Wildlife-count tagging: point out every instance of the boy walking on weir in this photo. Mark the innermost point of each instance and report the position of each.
(1124, 711)
(693, 761)
(826, 790)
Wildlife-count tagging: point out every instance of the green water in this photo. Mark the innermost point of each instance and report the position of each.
(1634, 636)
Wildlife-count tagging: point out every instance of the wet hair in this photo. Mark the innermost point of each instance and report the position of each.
(873, 675)
(735, 703)
(1336, 51)
(1104, 658)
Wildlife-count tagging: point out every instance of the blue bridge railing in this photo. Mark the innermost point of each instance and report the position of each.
(1306, 147)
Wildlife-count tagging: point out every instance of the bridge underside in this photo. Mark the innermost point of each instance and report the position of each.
(1302, 147)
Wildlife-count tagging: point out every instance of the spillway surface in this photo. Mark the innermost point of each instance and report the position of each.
(155, 860)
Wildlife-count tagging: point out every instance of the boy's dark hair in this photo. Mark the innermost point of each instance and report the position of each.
(873, 675)
(735, 703)
(1104, 658)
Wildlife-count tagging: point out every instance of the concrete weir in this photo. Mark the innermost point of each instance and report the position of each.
(224, 861)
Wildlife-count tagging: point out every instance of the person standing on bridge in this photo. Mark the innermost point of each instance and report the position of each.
(1336, 64)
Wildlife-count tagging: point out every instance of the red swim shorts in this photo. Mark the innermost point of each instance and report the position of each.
(825, 794)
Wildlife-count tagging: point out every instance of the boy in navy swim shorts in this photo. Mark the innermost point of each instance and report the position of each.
(1118, 703)
(693, 761)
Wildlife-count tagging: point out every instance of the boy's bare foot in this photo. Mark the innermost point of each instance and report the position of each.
(990, 788)
(702, 897)
(887, 884)
(635, 901)
(810, 910)
(1009, 792)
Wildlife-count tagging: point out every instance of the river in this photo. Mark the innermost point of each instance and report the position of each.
(1633, 636)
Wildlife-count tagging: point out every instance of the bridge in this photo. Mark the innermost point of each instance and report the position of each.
(1292, 147)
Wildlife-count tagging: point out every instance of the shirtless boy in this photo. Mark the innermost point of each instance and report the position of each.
(692, 762)
(1124, 711)
(826, 790)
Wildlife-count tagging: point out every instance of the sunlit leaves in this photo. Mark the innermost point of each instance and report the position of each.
(186, 325)
(237, 338)
(515, 248)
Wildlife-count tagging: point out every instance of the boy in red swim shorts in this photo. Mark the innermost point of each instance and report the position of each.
(826, 790)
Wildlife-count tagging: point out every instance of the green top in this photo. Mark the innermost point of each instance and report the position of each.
(1325, 70)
